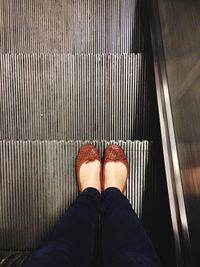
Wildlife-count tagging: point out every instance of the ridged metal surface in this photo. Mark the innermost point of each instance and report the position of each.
(13, 258)
(80, 26)
(37, 184)
(73, 97)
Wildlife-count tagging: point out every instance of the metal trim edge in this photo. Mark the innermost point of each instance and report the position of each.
(172, 169)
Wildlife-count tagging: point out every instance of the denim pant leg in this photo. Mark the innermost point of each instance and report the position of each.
(71, 242)
(124, 241)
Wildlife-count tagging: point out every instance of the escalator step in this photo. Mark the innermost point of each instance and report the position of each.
(89, 26)
(73, 97)
(37, 184)
(13, 258)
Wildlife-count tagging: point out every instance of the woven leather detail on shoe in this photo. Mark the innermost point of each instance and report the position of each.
(87, 152)
(115, 153)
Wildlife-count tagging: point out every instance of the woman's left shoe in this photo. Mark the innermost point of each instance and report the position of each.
(88, 168)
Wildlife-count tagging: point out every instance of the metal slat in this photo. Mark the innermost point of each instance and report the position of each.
(38, 183)
(73, 97)
(81, 26)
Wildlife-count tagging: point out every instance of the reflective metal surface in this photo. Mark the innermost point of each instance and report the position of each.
(64, 96)
(67, 26)
(13, 258)
(178, 88)
(38, 183)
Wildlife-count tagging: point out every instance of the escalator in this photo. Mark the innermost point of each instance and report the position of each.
(73, 72)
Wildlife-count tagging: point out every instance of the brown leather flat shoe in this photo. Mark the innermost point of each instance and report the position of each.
(115, 153)
(87, 153)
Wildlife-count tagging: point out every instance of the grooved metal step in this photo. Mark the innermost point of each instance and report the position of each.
(81, 26)
(13, 258)
(37, 184)
(73, 97)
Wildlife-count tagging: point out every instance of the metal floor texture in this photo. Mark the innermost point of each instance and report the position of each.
(73, 97)
(68, 26)
(49, 168)
(70, 71)
(38, 184)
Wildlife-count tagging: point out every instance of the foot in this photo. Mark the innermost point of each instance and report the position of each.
(88, 168)
(115, 170)
(90, 175)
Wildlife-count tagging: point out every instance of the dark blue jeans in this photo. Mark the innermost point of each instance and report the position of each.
(71, 242)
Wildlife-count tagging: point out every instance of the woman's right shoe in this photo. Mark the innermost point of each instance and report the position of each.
(115, 154)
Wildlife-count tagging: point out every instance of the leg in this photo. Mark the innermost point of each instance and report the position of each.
(71, 241)
(124, 240)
